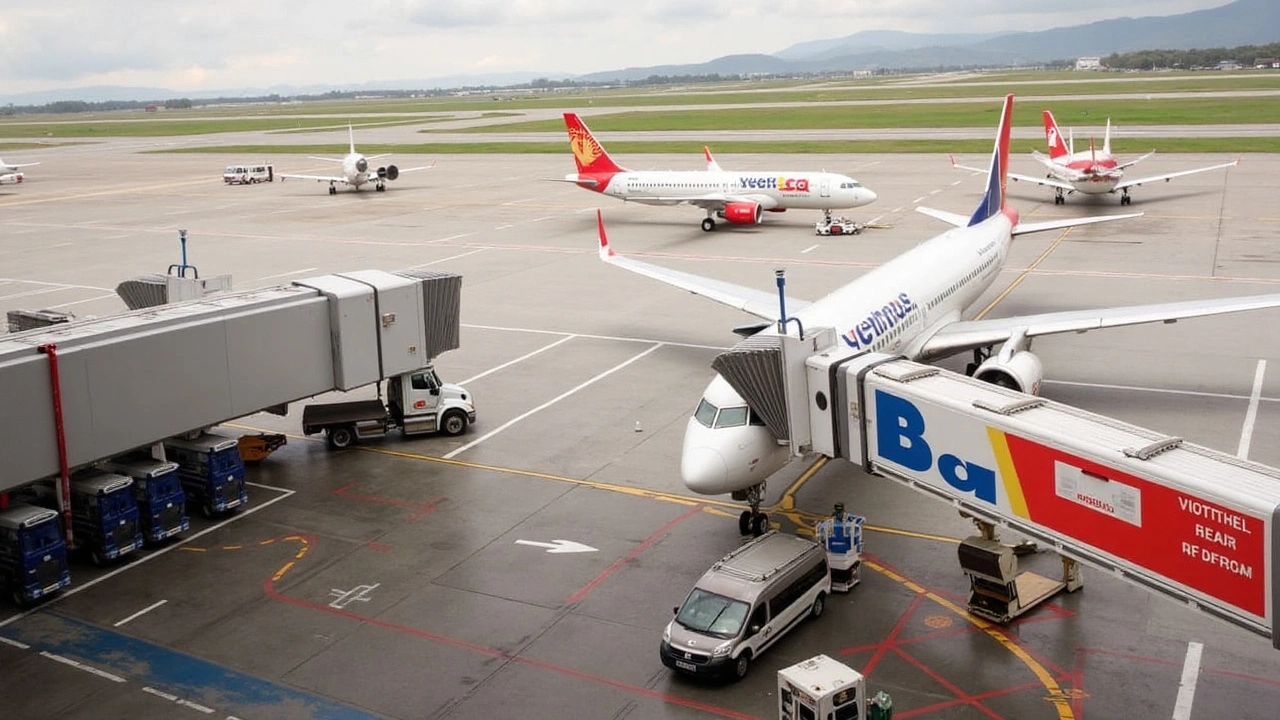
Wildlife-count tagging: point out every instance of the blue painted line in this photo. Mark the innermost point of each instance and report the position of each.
(174, 672)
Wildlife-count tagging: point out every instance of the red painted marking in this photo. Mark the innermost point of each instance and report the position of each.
(423, 508)
(268, 586)
(971, 700)
(961, 695)
(892, 638)
(582, 593)
(378, 546)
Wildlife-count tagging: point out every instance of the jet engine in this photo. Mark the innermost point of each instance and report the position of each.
(390, 172)
(1019, 370)
(743, 213)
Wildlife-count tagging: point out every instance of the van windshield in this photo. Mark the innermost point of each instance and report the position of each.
(713, 614)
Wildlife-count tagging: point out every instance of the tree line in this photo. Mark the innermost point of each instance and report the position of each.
(1187, 59)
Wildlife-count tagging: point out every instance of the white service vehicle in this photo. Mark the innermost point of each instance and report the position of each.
(248, 174)
(417, 402)
(840, 225)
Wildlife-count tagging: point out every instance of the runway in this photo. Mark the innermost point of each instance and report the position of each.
(403, 579)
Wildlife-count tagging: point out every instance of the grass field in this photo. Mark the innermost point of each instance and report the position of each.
(835, 147)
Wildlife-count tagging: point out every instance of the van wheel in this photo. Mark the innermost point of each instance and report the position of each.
(455, 423)
(819, 604)
(340, 437)
(742, 665)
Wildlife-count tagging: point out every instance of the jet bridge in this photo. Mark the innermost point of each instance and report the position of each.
(82, 391)
(1185, 521)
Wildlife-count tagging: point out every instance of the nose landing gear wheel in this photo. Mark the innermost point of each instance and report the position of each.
(759, 524)
(708, 224)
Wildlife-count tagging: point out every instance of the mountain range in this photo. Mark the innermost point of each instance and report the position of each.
(1243, 22)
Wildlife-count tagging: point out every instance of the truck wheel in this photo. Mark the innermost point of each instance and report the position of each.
(18, 598)
(98, 558)
(340, 437)
(455, 423)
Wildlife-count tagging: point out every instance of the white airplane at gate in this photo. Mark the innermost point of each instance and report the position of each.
(1092, 172)
(9, 172)
(740, 198)
(356, 170)
(912, 306)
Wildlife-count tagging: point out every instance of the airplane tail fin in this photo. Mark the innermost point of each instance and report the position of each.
(997, 175)
(588, 153)
(351, 140)
(712, 165)
(1106, 140)
(1053, 137)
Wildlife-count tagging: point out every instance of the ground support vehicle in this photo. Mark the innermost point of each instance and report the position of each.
(212, 471)
(33, 555)
(104, 513)
(162, 503)
(417, 403)
(837, 226)
(248, 174)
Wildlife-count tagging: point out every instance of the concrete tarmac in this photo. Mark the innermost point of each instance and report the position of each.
(405, 579)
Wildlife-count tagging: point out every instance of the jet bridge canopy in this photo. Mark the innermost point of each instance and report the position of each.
(130, 380)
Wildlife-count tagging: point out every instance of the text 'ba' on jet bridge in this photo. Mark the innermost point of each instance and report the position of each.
(130, 380)
(1185, 521)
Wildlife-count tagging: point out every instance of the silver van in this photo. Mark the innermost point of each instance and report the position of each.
(744, 603)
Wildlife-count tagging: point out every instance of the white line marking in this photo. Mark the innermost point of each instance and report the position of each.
(1187, 685)
(77, 302)
(451, 257)
(549, 403)
(935, 192)
(897, 209)
(646, 341)
(81, 666)
(284, 274)
(34, 292)
(1135, 388)
(513, 202)
(917, 200)
(504, 227)
(1246, 434)
(15, 643)
(451, 237)
(811, 247)
(544, 217)
(509, 363)
(194, 706)
(157, 693)
(956, 183)
(284, 493)
(61, 285)
(141, 612)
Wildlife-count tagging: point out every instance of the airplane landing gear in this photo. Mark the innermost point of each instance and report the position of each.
(1059, 199)
(380, 187)
(752, 522)
(1124, 197)
(980, 356)
(333, 190)
(708, 223)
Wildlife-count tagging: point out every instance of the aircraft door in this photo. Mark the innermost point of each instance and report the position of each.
(825, 187)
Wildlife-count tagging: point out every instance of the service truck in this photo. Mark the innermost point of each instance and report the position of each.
(33, 556)
(211, 470)
(157, 486)
(417, 403)
(104, 513)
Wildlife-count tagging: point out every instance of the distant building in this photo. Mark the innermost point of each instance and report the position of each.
(152, 108)
(1089, 63)
(1266, 63)
(1228, 65)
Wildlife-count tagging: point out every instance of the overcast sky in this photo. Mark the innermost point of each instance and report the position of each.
(229, 44)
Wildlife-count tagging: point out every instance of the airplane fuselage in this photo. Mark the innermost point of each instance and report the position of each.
(801, 190)
(1088, 173)
(355, 168)
(893, 309)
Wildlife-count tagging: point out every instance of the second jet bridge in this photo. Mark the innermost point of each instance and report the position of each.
(130, 380)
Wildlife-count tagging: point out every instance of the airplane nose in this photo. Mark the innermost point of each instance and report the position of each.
(704, 471)
(869, 196)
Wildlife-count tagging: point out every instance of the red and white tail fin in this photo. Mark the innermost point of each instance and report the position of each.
(1053, 138)
(1106, 141)
(588, 153)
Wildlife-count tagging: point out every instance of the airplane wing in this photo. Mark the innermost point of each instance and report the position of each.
(1169, 176)
(970, 334)
(337, 160)
(317, 178)
(15, 166)
(762, 304)
(1135, 161)
(1023, 228)
(1047, 182)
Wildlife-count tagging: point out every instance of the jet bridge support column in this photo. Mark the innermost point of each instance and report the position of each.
(60, 429)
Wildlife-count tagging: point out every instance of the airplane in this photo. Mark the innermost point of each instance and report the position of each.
(356, 170)
(914, 306)
(1091, 173)
(9, 172)
(741, 198)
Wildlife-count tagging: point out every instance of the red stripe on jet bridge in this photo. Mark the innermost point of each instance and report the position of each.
(1216, 550)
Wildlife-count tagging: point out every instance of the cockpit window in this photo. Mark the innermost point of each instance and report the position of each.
(706, 413)
(732, 417)
(851, 185)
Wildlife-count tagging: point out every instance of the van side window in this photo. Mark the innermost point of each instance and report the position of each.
(797, 588)
(759, 617)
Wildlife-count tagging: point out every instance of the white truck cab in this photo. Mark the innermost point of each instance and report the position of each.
(427, 404)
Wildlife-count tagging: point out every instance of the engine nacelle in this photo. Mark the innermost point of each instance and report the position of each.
(390, 172)
(1022, 371)
(743, 213)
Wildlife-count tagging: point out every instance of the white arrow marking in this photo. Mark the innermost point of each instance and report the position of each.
(559, 546)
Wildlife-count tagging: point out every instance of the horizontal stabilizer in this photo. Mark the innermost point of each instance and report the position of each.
(1024, 228)
(947, 217)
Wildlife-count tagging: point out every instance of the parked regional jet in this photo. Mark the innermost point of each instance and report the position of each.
(356, 170)
(1093, 172)
(738, 197)
(911, 306)
(9, 172)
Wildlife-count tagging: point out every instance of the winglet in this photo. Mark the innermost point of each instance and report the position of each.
(606, 252)
(997, 174)
(712, 165)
